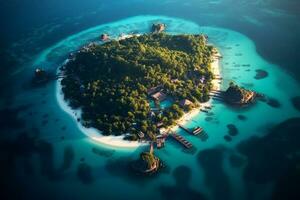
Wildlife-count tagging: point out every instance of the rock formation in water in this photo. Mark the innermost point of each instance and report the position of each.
(158, 28)
(148, 163)
(238, 96)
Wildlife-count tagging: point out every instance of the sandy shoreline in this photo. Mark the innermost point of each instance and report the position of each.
(215, 67)
(94, 134)
(118, 141)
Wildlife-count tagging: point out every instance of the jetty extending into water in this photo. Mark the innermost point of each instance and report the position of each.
(197, 131)
(181, 140)
(217, 95)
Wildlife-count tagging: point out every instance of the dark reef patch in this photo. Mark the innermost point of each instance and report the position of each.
(247, 85)
(271, 156)
(273, 103)
(210, 113)
(9, 118)
(228, 138)
(103, 152)
(242, 117)
(181, 189)
(84, 173)
(24, 147)
(68, 157)
(296, 102)
(261, 74)
(232, 130)
(287, 187)
(208, 119)
(236, 161)
(211, 160)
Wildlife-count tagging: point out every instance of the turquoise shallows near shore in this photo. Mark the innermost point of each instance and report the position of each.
(240, 60)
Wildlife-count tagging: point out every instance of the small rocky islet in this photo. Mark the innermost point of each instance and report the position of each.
(147, 164)
(261, 74)
(236, 95)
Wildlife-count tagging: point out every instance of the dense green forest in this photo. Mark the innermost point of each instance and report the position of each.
(110, 82)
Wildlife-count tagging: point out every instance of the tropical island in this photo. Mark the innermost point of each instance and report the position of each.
(121, 85)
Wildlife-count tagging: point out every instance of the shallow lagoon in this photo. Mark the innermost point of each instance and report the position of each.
(240, 62)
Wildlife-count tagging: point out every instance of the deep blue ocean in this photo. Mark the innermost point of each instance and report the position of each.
(45, 155)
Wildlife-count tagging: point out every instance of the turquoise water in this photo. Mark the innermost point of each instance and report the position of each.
(240, 60)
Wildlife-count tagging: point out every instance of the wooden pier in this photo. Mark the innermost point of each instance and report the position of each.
(196, 131)
(181, 140)
(217, 95)
(203, 110)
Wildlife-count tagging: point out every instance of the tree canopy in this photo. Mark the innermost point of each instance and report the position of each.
(109, 81)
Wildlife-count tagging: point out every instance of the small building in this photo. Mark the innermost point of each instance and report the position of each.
(160, 141)
(174, 80)
(82, 89)
(158, 28)
(159, 124)
(152, 114)
(159, 96)
(185, 102)
(141, 135)
(153, 90)
(39, 72)
(104, 37)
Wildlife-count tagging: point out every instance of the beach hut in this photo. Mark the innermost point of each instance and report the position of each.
(159, 124)
(185, 102)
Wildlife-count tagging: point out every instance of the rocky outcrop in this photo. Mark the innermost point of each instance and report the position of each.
(104, 37)
(158, 28)
(238, 95)
(147, 163)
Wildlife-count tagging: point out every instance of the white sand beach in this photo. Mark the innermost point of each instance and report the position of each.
(94, 134)
(216, 86)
